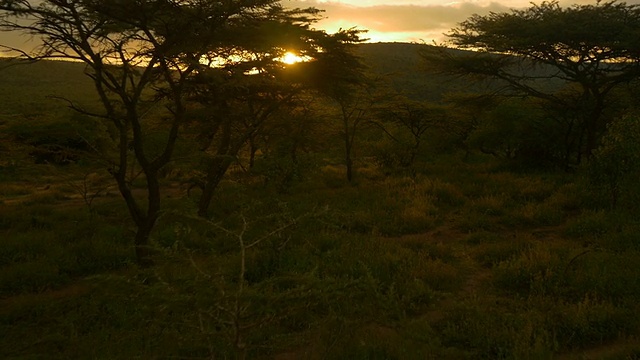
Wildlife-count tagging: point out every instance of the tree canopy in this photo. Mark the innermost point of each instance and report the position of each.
(588, 49)
(143, 57)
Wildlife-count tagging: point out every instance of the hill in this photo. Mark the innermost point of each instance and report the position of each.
(28, 88)
(403, 66)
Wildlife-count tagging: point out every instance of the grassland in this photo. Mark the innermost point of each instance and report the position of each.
(462, 260)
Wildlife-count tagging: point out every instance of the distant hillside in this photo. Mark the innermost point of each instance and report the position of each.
(27, 88)
(398, 60)
(402, 64)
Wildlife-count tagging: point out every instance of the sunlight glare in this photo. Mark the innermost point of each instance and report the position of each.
(291, 58)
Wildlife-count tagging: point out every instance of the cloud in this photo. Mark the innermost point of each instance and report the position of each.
(393, 21)
(403, 20)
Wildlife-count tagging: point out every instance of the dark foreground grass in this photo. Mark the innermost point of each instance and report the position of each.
(475, 263)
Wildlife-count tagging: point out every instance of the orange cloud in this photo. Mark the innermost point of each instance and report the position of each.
(409, 20)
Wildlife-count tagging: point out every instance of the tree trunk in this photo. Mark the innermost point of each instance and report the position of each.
(592, 136)
(144, 220)
(253, 148)
(594, 123)
(349, 170)
(348, 144)
(143, 250)
(349, 163)
(217, 169)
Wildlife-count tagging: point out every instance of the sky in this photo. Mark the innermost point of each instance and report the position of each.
(409, 20)
(392, 20)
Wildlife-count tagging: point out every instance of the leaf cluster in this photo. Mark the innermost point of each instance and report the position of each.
(606, 31)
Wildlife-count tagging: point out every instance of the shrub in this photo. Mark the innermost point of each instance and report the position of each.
(536, 214)
(539, 270)
(591, 224)
(491, 332)
(566, 198)
(606, 275)
(57, 142)
(590, 322)
(31, 276)
(493, 249)
(28, 246)
(446, 193)
(615, 166)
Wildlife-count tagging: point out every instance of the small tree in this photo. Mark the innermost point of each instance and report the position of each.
(339, 75)
(465, 113)
(412, 117)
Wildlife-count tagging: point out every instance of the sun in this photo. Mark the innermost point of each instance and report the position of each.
(291, 58)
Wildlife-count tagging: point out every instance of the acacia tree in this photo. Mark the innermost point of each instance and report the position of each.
(354, 109)
(141, 56)
(414, 117)
(239, 105)
(340, 76)
(591, 48)
(248, 93)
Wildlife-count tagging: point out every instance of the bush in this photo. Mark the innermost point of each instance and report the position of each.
(493, 249)
(518, 131)
(606, 275)
(539, 270)
(591, 224)
(57, 143)
(32, 276)
(493, 333)
(590, 322)
(615, 166)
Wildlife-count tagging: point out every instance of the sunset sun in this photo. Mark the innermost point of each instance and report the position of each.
(291, 58)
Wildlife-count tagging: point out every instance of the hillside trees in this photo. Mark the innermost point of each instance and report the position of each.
(572, 58)
(142, 57)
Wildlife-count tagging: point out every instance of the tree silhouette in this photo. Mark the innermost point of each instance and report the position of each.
(142, 56)
(340, 76)
(590, 49)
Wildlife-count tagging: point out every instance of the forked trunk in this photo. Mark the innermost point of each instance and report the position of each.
(215, 174)
(144, 220)
(143, 250)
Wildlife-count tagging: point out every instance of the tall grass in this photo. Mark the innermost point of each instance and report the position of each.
(452, 262)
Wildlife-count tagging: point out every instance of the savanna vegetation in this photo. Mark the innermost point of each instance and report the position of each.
(172, 196)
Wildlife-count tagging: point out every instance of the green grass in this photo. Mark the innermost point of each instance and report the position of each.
(475, 263)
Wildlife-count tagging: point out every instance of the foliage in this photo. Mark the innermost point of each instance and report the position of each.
(145, 58)
(525, 132)
(615, 166)
(413, 118)
(588, 49)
